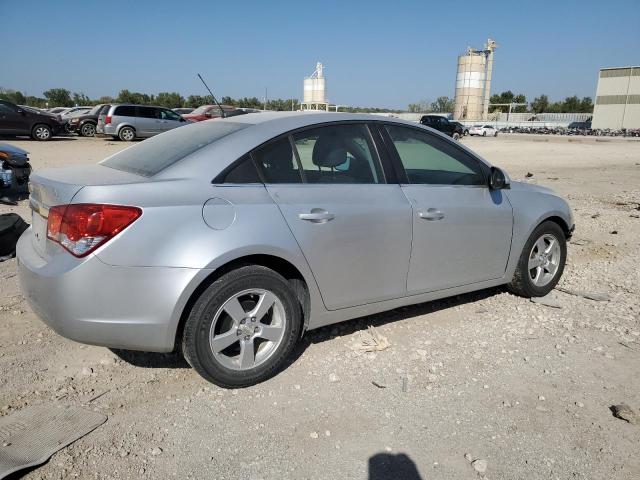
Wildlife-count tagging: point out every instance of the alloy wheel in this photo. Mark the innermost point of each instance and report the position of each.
(42, 133)
(247, 329)
(544, 260)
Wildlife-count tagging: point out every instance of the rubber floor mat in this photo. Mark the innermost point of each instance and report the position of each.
(29, 437)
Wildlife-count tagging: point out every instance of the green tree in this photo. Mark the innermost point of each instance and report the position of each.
(169, 99)
(194, 101)
(442, 105)
(422, 106)
(81, 99)
(571, 104)
(540, 104)
(12, 96)
(586, 105)
(58, 97)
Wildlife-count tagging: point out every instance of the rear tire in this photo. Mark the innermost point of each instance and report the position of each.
(484, 134)
(41, 132)
(219, 340)
(127, 134)
(495, 134)
(541, 262)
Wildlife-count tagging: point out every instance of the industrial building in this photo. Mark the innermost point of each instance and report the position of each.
(617, 102)
(473, 83)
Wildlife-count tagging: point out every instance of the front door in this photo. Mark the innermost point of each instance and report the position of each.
(148, 121)
(352, 227)
(11, 121)
(461, 229)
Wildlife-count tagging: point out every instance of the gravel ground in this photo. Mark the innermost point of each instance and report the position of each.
(485, 384)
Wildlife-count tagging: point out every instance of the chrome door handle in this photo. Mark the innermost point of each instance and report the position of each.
(431, 214)
(317, 215)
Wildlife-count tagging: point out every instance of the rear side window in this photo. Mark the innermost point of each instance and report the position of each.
(244, 172)
(104, 109)
(146, 112)
(157, 153)
(431, 160)
(125, 111)
(338, 154)
(278, 162)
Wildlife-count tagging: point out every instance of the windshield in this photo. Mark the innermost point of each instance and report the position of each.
(201, 110)
(153, 155)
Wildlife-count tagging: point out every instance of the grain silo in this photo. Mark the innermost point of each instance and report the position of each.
(314, 95)
(473, 83)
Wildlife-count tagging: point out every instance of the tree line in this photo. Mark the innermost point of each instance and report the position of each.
(61, 97)
(539, 104)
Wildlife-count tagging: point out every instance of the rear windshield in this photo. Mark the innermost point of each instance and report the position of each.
(153, 155)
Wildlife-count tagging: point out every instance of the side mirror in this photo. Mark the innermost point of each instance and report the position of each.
(498, 179)
(20, 110)
(208, 114)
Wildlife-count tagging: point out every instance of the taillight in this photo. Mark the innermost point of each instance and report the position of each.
(107, 120)
(81, 228)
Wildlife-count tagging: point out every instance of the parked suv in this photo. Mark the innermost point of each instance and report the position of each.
(128, 122)
(21, 120)
(85, 124)
(437, 122)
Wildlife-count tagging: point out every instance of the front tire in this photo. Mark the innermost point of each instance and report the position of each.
(243, 327)
(541, 262)
(88, 130)
(41, 132)
(456, 136)
(127, 134)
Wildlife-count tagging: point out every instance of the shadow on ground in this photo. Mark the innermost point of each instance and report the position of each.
(386, 466)
(175, 360)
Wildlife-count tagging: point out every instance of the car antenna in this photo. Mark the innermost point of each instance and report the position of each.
(213, 96)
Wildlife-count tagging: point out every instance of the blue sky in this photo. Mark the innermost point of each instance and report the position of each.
(377, 53)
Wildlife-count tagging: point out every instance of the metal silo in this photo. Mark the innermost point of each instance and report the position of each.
(314, 93)
(473, 83)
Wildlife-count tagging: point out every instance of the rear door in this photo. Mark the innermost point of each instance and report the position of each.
(461, 229)
(148, 121)
(353, 228)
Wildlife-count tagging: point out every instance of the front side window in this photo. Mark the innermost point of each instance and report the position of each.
(338, 154)
(430, 160)
(278, 162)
(169, 115)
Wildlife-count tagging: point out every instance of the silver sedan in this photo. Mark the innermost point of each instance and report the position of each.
(229, 239)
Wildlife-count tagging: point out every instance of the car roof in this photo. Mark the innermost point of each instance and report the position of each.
(264, 126)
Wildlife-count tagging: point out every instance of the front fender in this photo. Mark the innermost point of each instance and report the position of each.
(532, 205)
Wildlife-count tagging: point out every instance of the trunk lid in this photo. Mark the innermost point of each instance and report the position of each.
(58, 187)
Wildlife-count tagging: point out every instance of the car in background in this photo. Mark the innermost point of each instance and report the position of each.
(128, 122)
(22, 120)
(58, 110)
(483, 130)
(227, 240)
(208, 112)
(442, 124)
(183, 111)
(465, 130)
(85, 124)
(580, 125)
(75, 111)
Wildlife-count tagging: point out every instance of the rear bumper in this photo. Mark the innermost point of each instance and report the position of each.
(86, 300)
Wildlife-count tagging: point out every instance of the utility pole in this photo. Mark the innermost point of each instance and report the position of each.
(265, 98)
